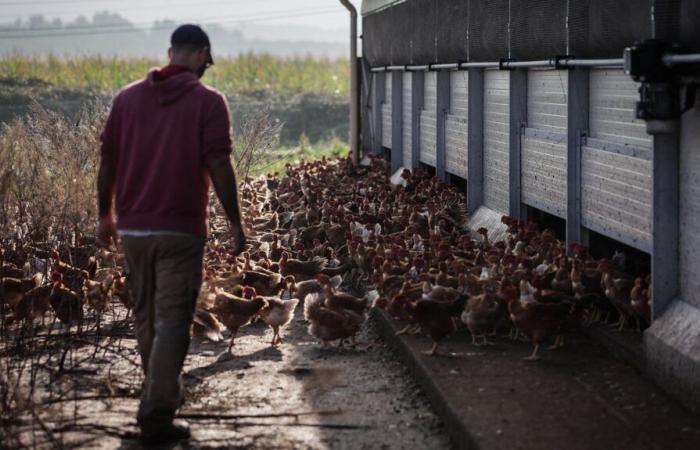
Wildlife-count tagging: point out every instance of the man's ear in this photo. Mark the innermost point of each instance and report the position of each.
(170, 53)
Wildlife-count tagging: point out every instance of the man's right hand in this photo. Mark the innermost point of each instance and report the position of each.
(240, 240)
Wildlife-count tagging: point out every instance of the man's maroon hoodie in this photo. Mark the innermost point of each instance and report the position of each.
(157, 137)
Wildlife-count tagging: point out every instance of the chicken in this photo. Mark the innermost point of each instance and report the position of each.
(343, 300)
(301, 289)
(67, 305)
(436, 318)
(440, 293)
(618, 290)
(235, 312)
(302, 270)
(482, 313)
(120, 290)
(538, 321)
(263, 283)
(639, 302)
(329, 324)
(277, 314)
(33, 304)
(97, 294)
(73, 277)
(12, 289)
(11, 271)
(206, 325)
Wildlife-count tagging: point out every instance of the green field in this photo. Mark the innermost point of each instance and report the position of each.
(243, 74)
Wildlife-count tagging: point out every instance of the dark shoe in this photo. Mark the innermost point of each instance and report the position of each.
(179, 430)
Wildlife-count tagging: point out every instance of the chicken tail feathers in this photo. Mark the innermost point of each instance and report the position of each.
(312, 304)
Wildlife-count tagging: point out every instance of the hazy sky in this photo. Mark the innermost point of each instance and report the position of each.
(319, 13)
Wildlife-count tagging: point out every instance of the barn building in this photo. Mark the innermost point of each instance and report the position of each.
(537, 111)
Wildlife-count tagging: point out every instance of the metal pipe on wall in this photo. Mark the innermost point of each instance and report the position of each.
(354, 85)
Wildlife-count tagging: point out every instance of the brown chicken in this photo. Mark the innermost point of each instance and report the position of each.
(263, 283)
(329, 324)
(206, 325)
(235, 312)
(538, 321)
(67, 305)
(33, 304)
(436, 318)
(617, 290)
(120, 290)
(302, 270)
(482, 313)
(12, 289)
(301, 289)
(639, 302)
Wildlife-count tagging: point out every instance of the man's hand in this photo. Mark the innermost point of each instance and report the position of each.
(224, 179)
(240, 239)
(106, 233)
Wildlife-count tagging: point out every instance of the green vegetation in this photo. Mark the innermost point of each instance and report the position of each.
(277, 159)
(246, 73)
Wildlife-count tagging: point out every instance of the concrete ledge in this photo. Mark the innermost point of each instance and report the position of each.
(579, 398)
(627, 345)
(672, 352)
(457, 429)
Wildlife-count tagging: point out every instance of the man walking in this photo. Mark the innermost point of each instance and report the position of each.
(166, 136)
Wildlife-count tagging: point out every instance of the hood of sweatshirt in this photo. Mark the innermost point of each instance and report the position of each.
(171, 85)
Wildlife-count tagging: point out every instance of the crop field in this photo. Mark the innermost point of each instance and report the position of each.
(243, 74)
(308, 95)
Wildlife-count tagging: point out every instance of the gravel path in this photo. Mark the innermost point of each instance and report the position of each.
(297, 395)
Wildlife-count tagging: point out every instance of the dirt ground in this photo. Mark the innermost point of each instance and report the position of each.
(297, 395)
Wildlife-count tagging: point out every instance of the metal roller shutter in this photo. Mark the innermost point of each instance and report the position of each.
(456, 127)
(496, 140)
(386, 112)
(428, 122)
(408, 119)
(616, 163)
(543, 142)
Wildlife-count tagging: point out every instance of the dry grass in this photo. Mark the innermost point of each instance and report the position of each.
(47, 173)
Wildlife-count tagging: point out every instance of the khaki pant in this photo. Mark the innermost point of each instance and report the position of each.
(165, 274)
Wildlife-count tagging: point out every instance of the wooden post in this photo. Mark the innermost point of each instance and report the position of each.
(475, 138)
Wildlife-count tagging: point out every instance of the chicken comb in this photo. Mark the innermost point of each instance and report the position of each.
(323, 278)
(249, 292)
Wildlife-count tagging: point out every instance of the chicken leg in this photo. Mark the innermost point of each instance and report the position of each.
(433, 351)
(275, 335)
(533, 356)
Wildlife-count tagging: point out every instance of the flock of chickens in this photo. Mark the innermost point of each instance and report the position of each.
(330, 223)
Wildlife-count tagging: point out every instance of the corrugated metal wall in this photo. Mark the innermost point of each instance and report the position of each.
(386, 112)
(690, 207)
(496, 140)
(616, 163)
(456, 125)
(407, 119)
(543, 142)
(428, 122)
